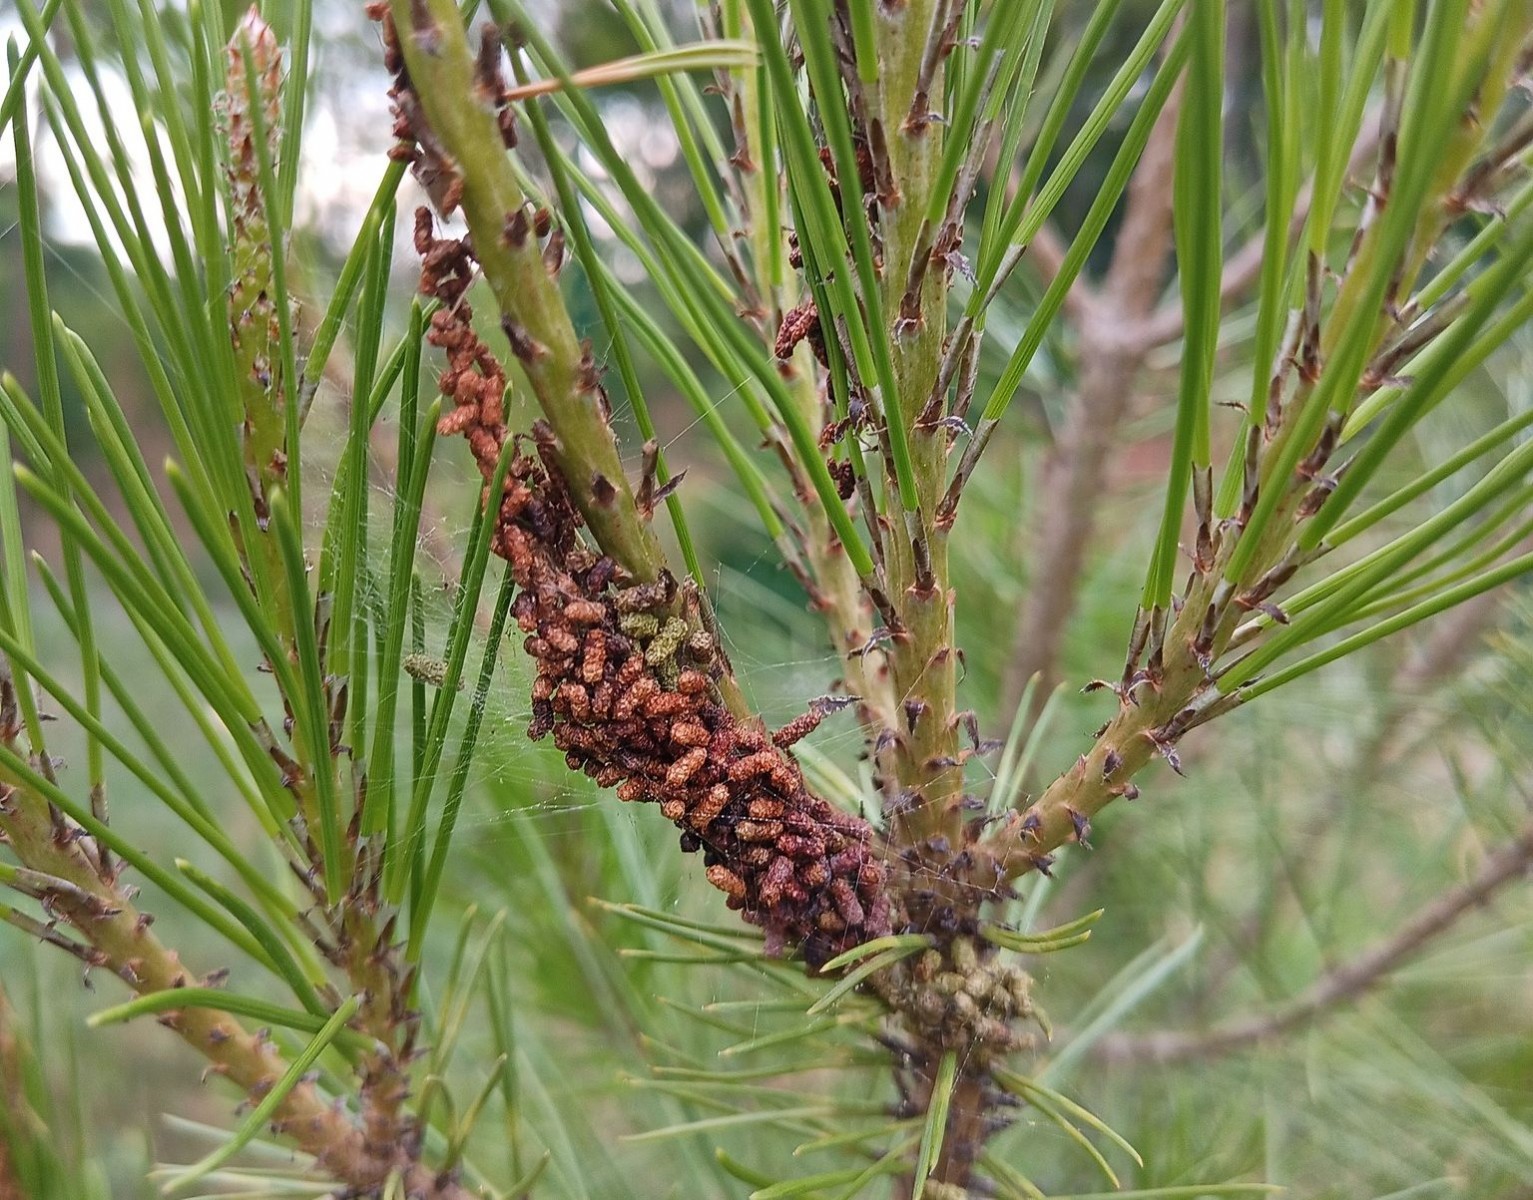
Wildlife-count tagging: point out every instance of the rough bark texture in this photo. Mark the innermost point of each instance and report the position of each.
(118, 938)
(923, 655)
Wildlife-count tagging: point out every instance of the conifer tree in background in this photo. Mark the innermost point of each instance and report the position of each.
(876, 177)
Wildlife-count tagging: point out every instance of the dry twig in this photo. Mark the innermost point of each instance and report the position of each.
(1348, 982)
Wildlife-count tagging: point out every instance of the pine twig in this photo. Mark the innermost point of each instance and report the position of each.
(121, 938)
(457, 146)
(460, 146)
(1345, 983)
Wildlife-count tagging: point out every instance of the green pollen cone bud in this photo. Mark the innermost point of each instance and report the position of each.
(253, 327)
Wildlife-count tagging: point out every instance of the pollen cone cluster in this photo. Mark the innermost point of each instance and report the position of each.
(625, 680)
(254, 328)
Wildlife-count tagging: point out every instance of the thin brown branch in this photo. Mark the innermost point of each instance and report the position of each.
(1413, 683)
(1240, 274)
(1347, 982)
(66, 877)
(122, 940)
(1453, 638)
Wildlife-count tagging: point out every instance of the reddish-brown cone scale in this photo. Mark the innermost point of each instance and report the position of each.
(625, 679)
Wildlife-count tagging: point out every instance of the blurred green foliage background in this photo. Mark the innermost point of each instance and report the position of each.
(1309, 827)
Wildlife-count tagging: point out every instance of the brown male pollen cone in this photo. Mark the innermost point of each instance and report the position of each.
(624, 680)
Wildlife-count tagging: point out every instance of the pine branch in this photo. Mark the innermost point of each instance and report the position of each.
(1173, 680)
(835, 592)
(121, 941)
(847, 370)
(456, 124)
(913, 46)
(450, 111)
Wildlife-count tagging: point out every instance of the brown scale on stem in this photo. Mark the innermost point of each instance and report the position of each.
(625, 687)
